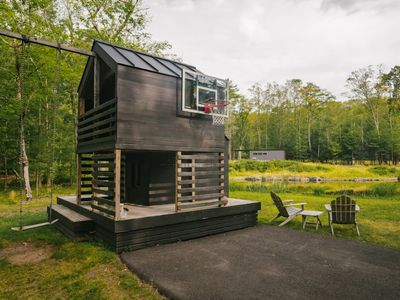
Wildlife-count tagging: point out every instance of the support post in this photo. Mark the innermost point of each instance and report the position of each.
(117, 187)
(78, 179)
(96, 83)
(177, 179)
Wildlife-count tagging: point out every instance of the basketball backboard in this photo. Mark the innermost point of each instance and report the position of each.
(203, 94)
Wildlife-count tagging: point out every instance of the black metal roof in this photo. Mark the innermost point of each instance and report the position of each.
(135, 59)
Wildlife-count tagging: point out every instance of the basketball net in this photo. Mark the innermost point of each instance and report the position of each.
(217, 109)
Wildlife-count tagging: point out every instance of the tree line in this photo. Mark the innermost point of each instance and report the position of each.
(310, 124)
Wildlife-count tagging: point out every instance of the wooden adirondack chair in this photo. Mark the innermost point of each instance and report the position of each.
(286, 209)
(342, 211)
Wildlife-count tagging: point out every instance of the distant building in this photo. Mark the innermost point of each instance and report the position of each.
(265, 154)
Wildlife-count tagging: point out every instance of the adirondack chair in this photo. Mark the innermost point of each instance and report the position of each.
(342, 211)
(286, 209)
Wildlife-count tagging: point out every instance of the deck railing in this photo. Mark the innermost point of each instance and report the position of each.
(96, 128)
(199, 179)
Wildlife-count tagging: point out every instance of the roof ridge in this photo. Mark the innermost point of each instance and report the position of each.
(143, 53)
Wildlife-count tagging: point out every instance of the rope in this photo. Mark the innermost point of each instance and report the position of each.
(58, 80)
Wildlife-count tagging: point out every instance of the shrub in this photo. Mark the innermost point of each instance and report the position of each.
(319, 190)
(384, 171)
(386, 189)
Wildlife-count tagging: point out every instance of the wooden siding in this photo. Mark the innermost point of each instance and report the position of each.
(147, 116)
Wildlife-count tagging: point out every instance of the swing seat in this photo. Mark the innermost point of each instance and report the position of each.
(19, 228)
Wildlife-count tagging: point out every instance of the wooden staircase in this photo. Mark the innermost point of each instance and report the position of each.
(71, 223)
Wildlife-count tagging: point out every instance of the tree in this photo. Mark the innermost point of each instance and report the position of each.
(313, 96)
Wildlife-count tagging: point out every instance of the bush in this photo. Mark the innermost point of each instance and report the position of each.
(384, 171)
(319, 190)
(387, 189)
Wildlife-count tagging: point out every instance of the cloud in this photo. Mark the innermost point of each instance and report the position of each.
(354, 6)
(320, 41)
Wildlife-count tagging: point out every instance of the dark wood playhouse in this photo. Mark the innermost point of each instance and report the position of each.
(152, 154)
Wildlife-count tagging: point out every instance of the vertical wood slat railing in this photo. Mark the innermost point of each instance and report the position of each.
(84, 178)
(199, 179)
(103, 183)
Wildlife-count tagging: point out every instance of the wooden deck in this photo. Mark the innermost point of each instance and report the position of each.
(144, 226)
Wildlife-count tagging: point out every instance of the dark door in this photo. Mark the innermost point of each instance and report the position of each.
(137, 179)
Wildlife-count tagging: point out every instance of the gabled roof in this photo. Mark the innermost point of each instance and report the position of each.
(117, 55)
(128, 57)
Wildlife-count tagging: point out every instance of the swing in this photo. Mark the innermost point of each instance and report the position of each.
(50, 221)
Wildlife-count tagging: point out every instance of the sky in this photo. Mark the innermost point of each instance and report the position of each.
(249, 41)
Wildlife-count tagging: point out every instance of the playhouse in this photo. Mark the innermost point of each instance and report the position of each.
(152, 155)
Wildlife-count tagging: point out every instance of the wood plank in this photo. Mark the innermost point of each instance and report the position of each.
(103, 200)
(102, 174)
(199, 173)
(200, 180)
(201, 156)
(95, 133)
(104, 210)
(103, 192)
(86, 192)
(198, 189)
(108, 113)
(104, 165)
(101, 141)
(105, 156)
(200, 197)
(199, 204)
(98, 108)
(103, 183)
(108, 122)
(201, 165)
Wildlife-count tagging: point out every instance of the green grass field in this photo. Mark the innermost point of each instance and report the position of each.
(294, 168)
(379, 218)
(57, 268)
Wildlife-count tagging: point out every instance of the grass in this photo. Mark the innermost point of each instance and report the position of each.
(364, 189)
(240, 168)
(379, 218)
(85, 270)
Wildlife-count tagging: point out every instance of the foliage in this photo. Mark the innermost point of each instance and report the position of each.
(384, 171)
(309, 124)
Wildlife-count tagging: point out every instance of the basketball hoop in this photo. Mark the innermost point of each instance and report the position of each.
(217, 109)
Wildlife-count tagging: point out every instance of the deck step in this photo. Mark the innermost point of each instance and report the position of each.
(72, 223)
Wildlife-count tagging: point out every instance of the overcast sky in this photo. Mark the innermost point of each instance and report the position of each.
(250, 41)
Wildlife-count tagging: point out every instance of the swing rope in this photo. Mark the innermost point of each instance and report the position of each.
(52, 168)
(58, 80)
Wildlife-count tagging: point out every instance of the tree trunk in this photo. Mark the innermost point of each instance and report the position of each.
(23, 156)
